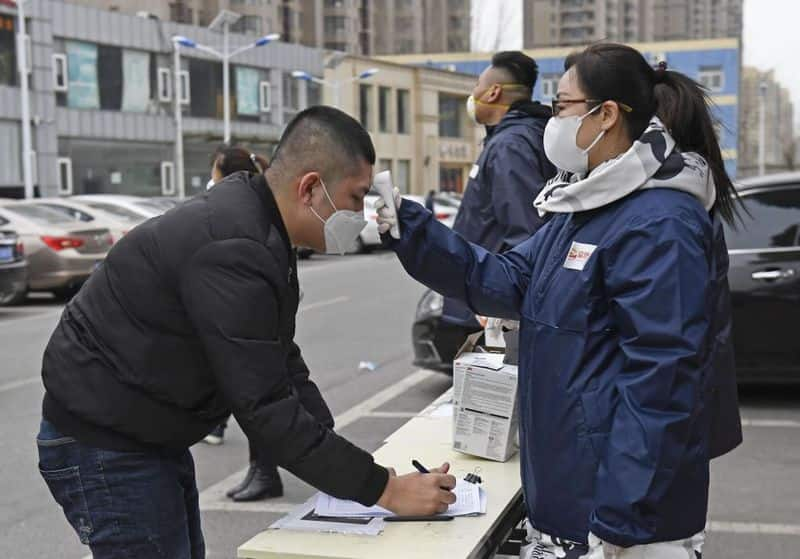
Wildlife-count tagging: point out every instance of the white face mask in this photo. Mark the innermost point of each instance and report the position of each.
(342, 228)
(471, 109)
(561, 143)
(209, 184)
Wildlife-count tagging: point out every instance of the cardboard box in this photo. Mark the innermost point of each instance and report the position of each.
(485, 418)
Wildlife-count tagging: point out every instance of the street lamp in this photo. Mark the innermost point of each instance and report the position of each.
(336, 84)
(762, 127)
(25, 107)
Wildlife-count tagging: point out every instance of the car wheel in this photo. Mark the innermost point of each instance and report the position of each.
(12, 297)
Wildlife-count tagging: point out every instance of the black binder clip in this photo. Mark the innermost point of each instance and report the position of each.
(473, 477)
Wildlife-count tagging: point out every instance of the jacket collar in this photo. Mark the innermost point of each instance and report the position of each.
(261, 186)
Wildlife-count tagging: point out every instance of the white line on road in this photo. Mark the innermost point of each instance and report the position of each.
(321, 304)
(753, 528)
(213, 497)
(790, 423)
(19, 383)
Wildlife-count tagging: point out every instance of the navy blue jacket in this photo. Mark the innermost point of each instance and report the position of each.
(626, 380)
(497, 211)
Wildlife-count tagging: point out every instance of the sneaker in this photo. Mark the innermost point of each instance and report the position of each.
(216, 436)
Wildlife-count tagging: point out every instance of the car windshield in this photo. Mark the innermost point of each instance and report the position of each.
(68, 211)
(40, 214)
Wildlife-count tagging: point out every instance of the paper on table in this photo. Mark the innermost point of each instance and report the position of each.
(470, 499)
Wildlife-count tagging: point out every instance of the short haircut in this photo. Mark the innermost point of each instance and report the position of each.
(520, 67)
(323, 139)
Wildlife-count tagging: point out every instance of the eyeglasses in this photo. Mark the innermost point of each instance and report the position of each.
(557, 109)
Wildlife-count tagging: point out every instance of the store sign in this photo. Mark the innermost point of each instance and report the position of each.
(454, 151)
(83, 92)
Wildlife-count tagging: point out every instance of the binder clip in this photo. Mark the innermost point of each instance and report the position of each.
(473, 477)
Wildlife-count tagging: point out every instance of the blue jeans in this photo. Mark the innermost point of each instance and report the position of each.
(136, 505)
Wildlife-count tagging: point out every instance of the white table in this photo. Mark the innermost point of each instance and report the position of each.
(427, 438)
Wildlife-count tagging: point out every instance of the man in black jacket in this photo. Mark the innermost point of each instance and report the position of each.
(192, 316)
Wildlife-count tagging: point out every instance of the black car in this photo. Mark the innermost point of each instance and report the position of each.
(13, 268)
(764, 278)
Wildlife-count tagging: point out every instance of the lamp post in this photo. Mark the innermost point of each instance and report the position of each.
(177, 41)
(762, 127)
(335, 85)
(25, 108)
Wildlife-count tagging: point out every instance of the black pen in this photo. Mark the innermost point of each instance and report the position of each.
(439, 518)
(420, 468)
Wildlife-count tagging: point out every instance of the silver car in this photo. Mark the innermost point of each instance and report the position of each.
(62, 252)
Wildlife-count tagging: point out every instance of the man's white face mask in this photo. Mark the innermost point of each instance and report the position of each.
(342, 228)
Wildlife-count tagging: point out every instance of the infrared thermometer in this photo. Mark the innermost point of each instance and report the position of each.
(383, 186)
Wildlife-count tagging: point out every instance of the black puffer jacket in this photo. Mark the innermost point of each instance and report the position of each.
(192, 316)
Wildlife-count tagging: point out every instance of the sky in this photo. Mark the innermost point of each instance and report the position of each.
(771, 39)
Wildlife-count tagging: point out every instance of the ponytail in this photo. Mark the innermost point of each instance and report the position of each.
(231, 159)
(683, 106)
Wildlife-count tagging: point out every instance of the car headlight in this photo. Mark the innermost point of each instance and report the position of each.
(430, 305)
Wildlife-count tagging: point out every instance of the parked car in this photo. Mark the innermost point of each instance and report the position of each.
(140, 207)
(13, 267)
(119, 223)
(62, 252)
(764, 277)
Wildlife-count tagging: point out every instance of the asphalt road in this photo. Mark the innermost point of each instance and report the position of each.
(360, 308)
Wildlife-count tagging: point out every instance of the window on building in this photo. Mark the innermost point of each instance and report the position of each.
(179, 12)
(248, 91)
(291, 93)
(365, 105)
(384, 122)
(384, 165)
(712, 77)
(83, 89)
(8, 51)
(402, 180)
(313, 94)
(772, 220)
(549, 86)
(248, 24)
(403, 109)
(11, 169)
(205, 79)
(335, 24)
(60, 72)
(64, 176)
(167, 178)
(164, 85)
(136, 80)
(265, 96)
(451, 110)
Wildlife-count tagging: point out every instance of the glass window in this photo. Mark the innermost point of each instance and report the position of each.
(291, 97)
(109, 77)
(247, 91)
(384, 94)
(313, 94)
(40, 214)
(136, 81)
(384, 165)
(403, 125)
(365, 105)
(712, 77)
(403, 175)
(83, 92)
(10, 139)
(68, 211)
(774, 221)
(335, 24)
(450, 116)
(8, 52)
(205, 79)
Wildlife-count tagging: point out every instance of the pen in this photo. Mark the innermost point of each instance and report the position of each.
(438, 518)
(420, 468)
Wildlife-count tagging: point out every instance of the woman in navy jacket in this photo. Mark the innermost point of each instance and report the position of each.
(627, 385)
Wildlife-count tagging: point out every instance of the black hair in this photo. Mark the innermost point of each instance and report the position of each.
(522, 68)
(614, 72)
(231, 159)
(330, 129)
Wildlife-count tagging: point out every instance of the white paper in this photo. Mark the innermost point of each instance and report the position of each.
(301, 519)
(469, 501)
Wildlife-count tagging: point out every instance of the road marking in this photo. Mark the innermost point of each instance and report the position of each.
(256, 506)
(790, 423)
(758, 528)
(19, 383)
(213, 497)
(320, 304)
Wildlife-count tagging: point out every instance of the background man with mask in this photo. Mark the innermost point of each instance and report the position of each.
(192, 316)
(497, 211)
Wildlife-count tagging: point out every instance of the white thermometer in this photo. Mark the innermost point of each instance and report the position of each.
(383, 186)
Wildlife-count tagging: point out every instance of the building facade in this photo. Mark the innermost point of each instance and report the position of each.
(579, 22)
(102, 100)
(713, 62)
(416, 117)
(779, 146)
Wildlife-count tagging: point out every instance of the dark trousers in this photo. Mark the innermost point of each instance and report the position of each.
(129, 505)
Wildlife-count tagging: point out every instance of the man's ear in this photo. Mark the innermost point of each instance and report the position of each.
(610, 115)
(305, 186)
(493, 94)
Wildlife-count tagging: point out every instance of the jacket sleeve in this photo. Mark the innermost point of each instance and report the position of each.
(657, 282)
(229, 292)
(310, 396)
(514, 180)
(491, 284)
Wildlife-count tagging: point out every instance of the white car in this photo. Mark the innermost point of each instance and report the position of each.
(139, 206)
(119, 222)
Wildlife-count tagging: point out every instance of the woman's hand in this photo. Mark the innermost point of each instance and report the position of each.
(387, 218)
